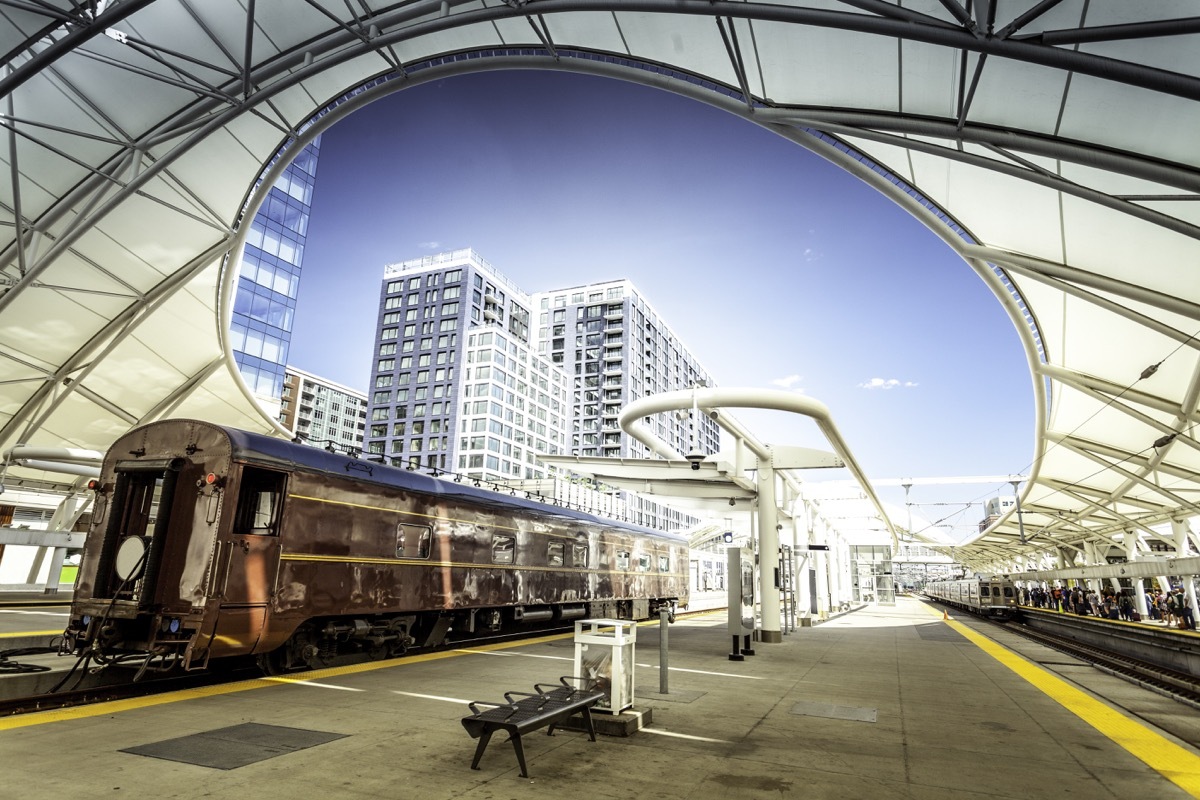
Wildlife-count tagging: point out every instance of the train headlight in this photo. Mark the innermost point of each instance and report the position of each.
(174, 627)
(86, 619)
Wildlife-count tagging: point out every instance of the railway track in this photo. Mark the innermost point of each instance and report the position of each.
(1181, 686)
(72, 698)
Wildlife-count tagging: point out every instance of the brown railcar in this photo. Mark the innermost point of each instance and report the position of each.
(209, 542)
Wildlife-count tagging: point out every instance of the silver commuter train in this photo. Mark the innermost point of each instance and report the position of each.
(985, 595)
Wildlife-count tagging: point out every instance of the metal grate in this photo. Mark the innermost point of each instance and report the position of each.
(236, 746)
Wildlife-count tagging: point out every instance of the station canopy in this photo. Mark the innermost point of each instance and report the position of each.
(1051, 143)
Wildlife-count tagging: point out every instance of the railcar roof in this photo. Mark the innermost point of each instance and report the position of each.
(268, 450)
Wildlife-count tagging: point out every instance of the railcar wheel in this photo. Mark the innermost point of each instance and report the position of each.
(273, 663)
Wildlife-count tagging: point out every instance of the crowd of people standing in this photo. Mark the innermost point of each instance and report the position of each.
(1171, 607)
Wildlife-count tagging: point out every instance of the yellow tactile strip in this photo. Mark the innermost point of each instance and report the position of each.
(1177, 764)
(116, 706)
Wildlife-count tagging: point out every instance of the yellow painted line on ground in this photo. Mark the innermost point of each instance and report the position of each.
(30, 633)
(1175, 763)
(117, 706)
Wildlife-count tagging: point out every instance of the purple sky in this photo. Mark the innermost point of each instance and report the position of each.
(776, 268)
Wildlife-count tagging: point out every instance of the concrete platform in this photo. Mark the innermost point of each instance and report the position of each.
(32, 620)
(886, 702)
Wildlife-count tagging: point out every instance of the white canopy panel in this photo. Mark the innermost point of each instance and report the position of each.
(1050, 143)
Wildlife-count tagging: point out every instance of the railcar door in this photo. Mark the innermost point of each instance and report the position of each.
(248, 560)
(137, 532)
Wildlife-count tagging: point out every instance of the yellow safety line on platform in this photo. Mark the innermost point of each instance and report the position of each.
(1175, 763)
(117, 706)
(29, 633)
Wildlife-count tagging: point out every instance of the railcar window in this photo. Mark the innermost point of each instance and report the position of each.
(1008, 591)
(579, 554)
(141, 508)
(985, 591)
(259, 501)
(554, 554)
(622, 559)
(503, 549)
(643, 563)
(412, 541)
(664, 563)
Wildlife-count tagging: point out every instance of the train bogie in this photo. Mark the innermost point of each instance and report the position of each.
(209, 542)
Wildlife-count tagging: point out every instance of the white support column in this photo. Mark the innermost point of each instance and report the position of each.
(1139, 586)
(1063, 560)
(768, 554)
(35, 568)
(57, 556)
(1179, 529)
(65, 516)
(1179, 532)
(824, 571)
(1092, 555)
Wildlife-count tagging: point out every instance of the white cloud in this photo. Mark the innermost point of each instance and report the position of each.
(430, 245)
(789, 383)
(886, 383)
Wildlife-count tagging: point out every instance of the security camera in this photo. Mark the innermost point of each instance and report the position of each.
(695, 457)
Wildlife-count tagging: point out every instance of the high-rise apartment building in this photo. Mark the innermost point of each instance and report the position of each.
(265, 298)
(455, 384)
(323, 413)
(616, 348)
(462, 383)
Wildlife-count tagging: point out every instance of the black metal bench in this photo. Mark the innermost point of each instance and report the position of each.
(549, 706)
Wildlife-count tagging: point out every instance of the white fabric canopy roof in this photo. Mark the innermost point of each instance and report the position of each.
(1051, 143)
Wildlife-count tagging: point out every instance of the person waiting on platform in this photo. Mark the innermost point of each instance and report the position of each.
(1186, 612)
(1126, 606)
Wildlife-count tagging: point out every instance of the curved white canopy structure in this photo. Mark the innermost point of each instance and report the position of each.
(1050, 142)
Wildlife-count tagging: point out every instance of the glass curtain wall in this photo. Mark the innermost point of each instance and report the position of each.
(265, 300)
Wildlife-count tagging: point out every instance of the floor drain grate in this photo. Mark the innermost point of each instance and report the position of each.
(236, 746)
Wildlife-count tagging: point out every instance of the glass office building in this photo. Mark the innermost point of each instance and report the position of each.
(264, 302)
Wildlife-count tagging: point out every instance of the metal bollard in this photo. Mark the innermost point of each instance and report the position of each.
(663, 614)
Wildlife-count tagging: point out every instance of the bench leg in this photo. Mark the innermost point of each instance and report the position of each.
(587, 718)
(516, 742)
(479, 748)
